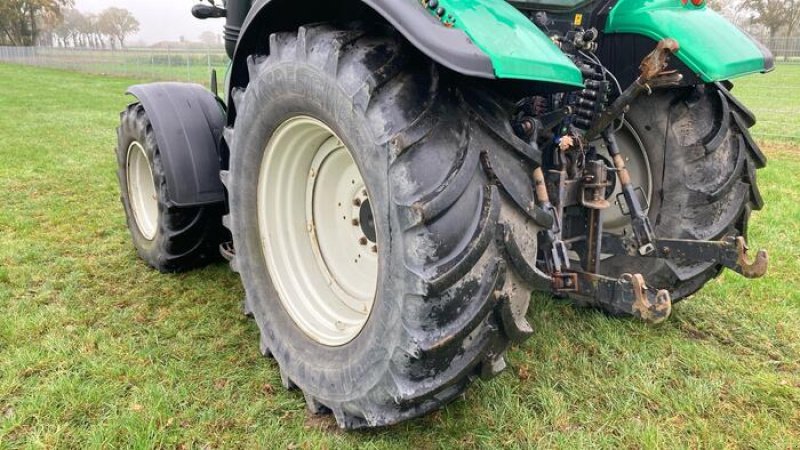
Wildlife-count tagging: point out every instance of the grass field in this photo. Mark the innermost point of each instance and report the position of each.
(143, 65)
(97, 351)
(775, 98)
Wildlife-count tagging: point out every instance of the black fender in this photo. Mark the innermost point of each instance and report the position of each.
(188, 121)
(449, 47)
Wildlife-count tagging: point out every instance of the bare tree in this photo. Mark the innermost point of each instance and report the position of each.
(772, 14)
(96, 31)
(118, 23)
(737, 11)
(21, 21)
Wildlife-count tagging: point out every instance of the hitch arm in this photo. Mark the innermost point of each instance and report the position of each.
(626, 296)
(731, 253)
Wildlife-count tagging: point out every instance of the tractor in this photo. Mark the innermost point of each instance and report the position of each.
(393, 179)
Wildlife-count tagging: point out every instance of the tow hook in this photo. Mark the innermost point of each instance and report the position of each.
(757, 268)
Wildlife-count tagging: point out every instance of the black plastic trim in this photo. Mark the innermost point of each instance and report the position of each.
(449, 47)
(188, 121)
(769, 58)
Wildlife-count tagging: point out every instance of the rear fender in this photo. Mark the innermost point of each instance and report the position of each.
(479, 38)
(711, 46)
(188, 121)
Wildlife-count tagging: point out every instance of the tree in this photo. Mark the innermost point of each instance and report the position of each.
(772, 14)
(736, 11)
(21, 21)
(96, 31)
(792, 16)
(118, 23)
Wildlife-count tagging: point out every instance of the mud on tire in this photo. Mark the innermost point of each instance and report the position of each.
(449, 302)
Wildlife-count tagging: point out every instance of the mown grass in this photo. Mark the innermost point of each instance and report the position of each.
(775, 99)
(98, 351)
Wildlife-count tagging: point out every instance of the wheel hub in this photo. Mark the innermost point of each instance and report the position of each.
(317, 230)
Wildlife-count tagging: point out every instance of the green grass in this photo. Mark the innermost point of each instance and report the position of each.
(97, 351)
(139, 64)
(775, 99)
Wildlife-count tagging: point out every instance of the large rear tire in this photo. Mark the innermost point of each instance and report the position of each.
(166, 237)
(446, 304)
(704, 163)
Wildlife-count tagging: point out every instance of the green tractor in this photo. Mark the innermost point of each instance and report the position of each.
(392, 179)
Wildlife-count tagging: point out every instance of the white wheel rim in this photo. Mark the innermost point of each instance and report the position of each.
(142, 191)
(311, 202)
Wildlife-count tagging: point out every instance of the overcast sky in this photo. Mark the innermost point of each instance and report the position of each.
(161, 20)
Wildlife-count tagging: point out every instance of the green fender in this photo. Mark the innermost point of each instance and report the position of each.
(517, 48)
(711, 46)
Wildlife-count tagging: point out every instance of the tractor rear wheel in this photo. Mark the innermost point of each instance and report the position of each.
(168, 238)
(366, 227)
(702, 184)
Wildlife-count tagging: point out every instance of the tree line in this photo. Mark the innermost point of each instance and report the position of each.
(56, 23)
(775, 17)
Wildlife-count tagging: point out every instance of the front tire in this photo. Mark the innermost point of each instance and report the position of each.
(446, 305)
(167, 238)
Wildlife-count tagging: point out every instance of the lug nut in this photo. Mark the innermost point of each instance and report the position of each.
(374, 249)
(357, 201)
(363, 241)
(356, 222)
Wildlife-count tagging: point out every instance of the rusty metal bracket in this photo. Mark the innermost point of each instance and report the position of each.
(653, 76)
(654, 64)
(565, 283)
(627, 296)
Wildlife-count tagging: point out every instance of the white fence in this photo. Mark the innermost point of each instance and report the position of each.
(144, 64)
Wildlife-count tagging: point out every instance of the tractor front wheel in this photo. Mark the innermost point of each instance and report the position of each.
(166, 237)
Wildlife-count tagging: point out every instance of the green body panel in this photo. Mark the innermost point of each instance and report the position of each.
(516, 47)
(711, 46)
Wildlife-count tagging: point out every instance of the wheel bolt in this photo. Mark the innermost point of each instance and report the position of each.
(356, 222)
(357, 201)
(374, 249)
(363, 241)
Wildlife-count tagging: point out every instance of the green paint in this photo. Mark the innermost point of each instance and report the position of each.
(710, 45)
(516, 47)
